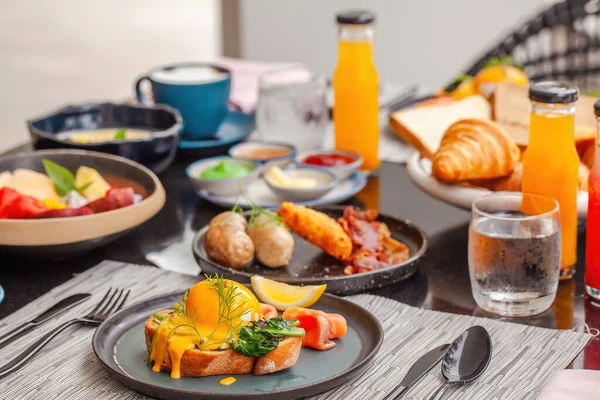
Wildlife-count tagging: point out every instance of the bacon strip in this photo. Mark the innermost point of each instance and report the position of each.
(372, 244)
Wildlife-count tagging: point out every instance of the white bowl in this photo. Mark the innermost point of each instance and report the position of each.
(280, 161)
(326, 181)
(221, 187)
(341, 172)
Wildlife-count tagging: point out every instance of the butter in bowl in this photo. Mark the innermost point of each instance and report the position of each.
(299, 184)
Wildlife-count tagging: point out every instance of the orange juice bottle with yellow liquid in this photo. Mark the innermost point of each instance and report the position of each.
(551, 163)
(356, 89)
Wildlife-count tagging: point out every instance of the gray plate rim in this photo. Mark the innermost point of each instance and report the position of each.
(337, 303)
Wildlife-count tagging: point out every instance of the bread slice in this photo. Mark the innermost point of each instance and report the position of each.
(196, 363)
(423, 127)
(511, 109)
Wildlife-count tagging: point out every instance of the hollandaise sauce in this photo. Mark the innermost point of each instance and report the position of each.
(173, 336)
(227, 381)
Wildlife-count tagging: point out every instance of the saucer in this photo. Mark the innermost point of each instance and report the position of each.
(259, 193)
(235, 127)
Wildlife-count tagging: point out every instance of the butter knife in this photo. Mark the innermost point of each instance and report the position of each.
(418, 369)
(53, 311)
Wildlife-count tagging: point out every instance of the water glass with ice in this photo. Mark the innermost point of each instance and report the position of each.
(514, 256)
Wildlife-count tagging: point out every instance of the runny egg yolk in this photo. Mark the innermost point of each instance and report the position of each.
(210, 314)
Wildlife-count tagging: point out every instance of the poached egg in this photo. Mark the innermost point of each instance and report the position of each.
(214, 311)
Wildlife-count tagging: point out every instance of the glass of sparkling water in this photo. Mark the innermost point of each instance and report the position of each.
(292, 108)
(514, 256)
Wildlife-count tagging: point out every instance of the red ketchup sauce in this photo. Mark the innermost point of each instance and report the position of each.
(328, 160)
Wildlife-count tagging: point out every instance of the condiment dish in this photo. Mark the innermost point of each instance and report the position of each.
(274, 153)
(222, 187)
(342, 172)
(325, 180)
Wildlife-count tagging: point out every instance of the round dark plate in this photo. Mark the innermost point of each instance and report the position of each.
(120, 346)
(312, 266)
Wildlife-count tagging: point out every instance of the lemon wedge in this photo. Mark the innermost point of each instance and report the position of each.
(283, 296)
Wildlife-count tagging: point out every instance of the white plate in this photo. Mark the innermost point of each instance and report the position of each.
(262, 196)
(419, 170)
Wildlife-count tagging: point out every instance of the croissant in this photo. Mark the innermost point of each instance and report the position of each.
(474, 149)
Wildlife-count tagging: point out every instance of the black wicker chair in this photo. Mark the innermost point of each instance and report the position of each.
(561, 43)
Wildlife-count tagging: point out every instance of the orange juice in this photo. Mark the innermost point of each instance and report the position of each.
(356, 88)
(551, 163)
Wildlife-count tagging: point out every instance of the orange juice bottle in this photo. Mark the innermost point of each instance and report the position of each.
(356, 89)
(551, 163)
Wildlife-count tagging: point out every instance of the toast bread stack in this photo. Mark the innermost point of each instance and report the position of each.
(196, 363)
(511, 109)
(423, 127)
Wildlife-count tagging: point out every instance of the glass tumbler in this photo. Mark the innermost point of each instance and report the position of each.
(514, 258)
(292, 108)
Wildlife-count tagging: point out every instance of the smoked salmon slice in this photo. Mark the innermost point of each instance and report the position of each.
(268, 311)
(320, 327)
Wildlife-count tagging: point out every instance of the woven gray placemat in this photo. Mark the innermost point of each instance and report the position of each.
(524, 356)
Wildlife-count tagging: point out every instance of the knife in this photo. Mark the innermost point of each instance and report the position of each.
(53, 311)
(418, 369)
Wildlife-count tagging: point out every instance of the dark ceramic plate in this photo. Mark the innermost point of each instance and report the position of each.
(54, 238)
(311, 266)
(156, 153)
(235, 127)
(120, 346)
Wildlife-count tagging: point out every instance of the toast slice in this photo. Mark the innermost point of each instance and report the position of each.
(511, 109)
(423, 127)
(197, 363)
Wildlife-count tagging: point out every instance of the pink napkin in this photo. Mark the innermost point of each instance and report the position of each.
(572, 384)
(245, 77)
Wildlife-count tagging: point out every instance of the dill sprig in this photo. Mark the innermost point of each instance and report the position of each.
(237, 209)
(230, 310)
(180, 308)
(256, 211)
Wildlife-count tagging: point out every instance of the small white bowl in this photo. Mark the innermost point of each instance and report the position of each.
(326, 181)
(238, 150)
(342, 172)
(221, 187)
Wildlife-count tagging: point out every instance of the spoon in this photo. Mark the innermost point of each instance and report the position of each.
(466, 359)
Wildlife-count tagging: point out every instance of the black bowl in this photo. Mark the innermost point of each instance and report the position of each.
(57, 238)
(156, 153)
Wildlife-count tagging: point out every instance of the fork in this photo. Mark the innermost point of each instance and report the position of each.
(112, 302)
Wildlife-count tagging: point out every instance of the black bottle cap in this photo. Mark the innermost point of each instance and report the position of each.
(597, 108)
(552, 92)
(355, 17)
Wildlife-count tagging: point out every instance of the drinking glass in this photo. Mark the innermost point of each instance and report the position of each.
(514, 257)
(292, 108)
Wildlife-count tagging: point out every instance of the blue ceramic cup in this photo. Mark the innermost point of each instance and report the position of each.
(199, 91)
